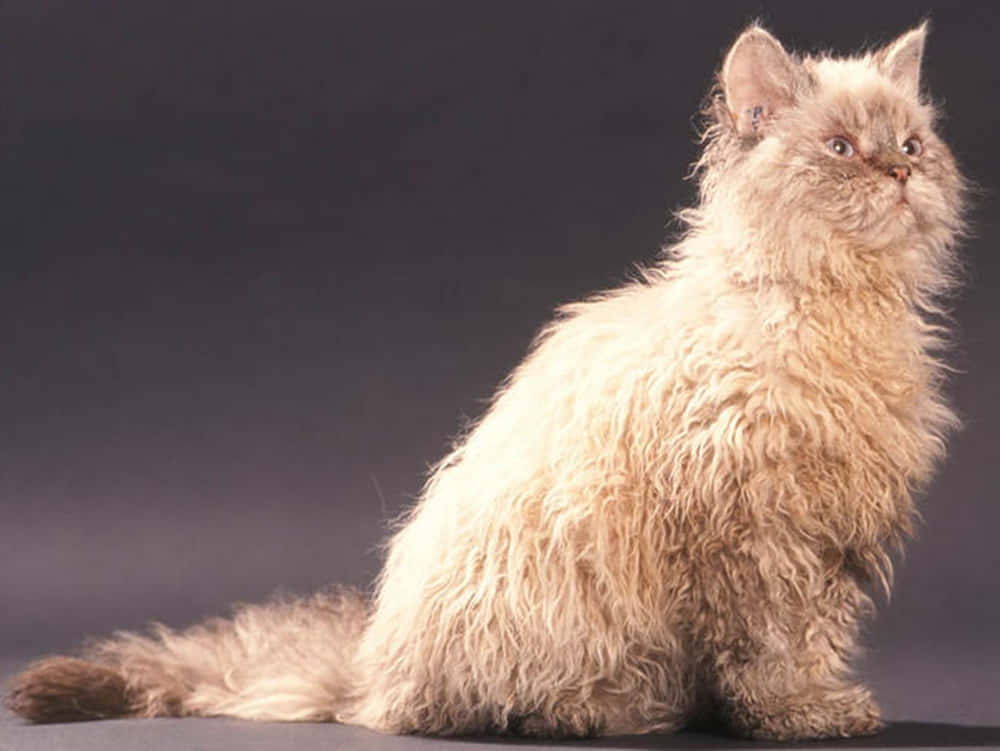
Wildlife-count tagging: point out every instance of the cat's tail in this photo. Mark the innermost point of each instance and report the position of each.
(286, 660)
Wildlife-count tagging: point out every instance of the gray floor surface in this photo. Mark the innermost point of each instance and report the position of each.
(933, 697)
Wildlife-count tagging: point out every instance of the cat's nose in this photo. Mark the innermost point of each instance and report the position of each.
(900, 171)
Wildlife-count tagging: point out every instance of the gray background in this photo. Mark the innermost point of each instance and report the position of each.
(260, 260)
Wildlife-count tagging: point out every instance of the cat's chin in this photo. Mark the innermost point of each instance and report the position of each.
(896, 227)
(902, 212)
(893, 222)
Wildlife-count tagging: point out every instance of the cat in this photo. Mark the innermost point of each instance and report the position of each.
(676, 508)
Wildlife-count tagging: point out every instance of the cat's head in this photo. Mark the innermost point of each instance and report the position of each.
(823, 153)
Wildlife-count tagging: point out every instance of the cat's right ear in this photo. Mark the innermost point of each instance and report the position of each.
(900, 60)
(758, 81)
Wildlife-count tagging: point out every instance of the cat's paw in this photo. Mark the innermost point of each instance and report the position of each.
(841, 714)
(556, 726)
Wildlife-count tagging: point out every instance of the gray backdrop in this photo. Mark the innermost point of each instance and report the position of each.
(261, 259)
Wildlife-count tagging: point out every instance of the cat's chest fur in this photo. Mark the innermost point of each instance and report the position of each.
(857, 358)
(848, 359)
(820, 405)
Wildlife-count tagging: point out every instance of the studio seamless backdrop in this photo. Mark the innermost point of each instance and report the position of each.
(260, 264)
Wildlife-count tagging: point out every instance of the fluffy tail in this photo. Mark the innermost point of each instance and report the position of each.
(287, 660)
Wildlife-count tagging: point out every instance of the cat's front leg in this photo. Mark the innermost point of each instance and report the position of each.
(782, 646)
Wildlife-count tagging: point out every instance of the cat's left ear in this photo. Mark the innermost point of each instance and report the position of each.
(758, 80)
(900, 60)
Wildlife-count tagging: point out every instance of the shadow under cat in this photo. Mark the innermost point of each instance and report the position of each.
(905, 734)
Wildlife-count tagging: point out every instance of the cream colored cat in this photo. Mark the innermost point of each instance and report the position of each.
(672, 508)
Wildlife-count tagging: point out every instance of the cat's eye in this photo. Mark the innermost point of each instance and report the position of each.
(912, 147)
(840, 146)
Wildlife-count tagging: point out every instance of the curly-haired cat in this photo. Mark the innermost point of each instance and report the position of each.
(673, 507)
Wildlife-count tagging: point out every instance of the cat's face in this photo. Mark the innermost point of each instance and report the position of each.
(860, 152)
(841, 148)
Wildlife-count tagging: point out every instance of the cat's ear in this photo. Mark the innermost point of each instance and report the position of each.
(900, 60)
(758, 80)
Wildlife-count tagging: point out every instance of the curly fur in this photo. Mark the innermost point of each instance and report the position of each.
(673, 507)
